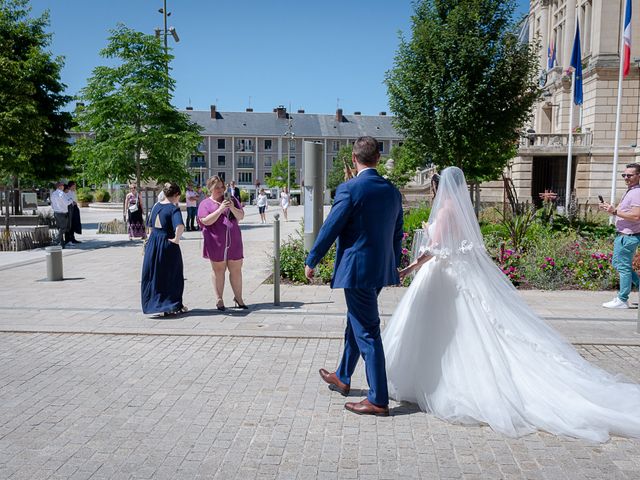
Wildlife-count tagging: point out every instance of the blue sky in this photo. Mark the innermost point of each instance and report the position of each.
(257, 53)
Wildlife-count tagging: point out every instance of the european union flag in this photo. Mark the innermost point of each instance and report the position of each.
(576, 63)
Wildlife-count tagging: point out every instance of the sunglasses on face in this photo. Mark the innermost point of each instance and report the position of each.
(628, 175)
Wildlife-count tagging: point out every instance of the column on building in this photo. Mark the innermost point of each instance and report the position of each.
(569, 32)
(545, 37)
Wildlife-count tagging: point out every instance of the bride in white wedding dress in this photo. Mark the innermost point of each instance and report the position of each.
(465, 347)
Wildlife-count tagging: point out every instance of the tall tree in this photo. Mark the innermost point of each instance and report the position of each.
(337, 173)
(278, 176)
(135, 132)
(33, 138)
(463, 85)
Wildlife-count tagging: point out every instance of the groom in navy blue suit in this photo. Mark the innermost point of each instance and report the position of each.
(366, 220)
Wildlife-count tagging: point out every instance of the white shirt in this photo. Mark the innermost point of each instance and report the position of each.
(60, 201)
(366, 168)
(262, 200)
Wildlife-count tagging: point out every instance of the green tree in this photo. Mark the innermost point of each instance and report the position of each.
(336, 174)
(135, 131)
(33, 138)
(278, 176)
(463, 85)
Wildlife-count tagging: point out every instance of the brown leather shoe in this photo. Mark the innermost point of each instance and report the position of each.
(365, 407)
(334, 382)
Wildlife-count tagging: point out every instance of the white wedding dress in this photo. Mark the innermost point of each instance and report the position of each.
(464, 346)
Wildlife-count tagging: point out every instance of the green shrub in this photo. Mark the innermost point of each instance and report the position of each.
(102, 196)
(244, 196)
(84, 195)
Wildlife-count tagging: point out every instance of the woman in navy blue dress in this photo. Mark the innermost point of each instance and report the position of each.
(162, 269)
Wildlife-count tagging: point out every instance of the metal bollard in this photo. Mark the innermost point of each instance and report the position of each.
(54, 263)
(276, 259)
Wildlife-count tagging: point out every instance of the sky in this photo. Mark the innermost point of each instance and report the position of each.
(236, 54)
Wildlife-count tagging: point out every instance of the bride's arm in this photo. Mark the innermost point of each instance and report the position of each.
(415, 265)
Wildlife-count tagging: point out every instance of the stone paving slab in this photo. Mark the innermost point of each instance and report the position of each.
(183, 407)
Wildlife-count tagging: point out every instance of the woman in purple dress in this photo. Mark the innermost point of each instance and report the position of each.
(218, 217)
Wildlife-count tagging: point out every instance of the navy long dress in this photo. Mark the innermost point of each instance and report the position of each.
(162, 269)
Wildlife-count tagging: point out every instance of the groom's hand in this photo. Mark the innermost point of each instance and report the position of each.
(308, 272)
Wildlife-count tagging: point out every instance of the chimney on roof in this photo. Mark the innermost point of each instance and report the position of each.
(249, 109)
(382, 114)
(281, 111)
(189, 107)
(357, 113)
(301, 110)
(339, 116)
(214, 114)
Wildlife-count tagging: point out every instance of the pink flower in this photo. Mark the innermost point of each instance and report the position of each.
(405, 234)
(405, 251)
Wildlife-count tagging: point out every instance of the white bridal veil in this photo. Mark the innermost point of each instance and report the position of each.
(464, 346)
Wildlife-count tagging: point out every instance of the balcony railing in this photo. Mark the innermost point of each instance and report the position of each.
(246, 164)
(553, 141)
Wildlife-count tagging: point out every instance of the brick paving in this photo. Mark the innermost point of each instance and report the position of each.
(92, 388)
(122, 406)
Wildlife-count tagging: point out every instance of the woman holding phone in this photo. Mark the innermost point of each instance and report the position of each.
(218, 217)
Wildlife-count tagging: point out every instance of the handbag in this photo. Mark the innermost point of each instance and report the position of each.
(133, 208)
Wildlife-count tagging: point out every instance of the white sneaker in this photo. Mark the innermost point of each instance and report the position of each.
(616, 303)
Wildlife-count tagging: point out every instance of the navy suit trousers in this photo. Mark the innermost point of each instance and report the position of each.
(362, 337)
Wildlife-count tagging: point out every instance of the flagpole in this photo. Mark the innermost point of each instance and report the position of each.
(616, 143)
(567, 193)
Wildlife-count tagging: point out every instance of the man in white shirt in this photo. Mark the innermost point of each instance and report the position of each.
(60, 203)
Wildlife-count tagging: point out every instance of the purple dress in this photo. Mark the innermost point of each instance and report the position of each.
(222, 239)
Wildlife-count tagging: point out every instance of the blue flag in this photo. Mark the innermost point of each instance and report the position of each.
(576, 63)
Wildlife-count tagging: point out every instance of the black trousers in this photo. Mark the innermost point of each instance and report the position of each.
(62, 220)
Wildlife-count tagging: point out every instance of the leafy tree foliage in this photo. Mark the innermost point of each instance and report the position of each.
(463, 85)
(278, 176)
(336, 174)
(33, 138)
(134, 130)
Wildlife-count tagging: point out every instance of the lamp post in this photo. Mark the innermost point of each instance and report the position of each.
(166, 31)
(291, 136)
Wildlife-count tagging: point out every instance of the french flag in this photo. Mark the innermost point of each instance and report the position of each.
(627, 38)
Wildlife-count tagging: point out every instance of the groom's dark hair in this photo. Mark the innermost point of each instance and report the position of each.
(366, 151)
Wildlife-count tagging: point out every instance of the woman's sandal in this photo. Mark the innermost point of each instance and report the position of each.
(220, 306)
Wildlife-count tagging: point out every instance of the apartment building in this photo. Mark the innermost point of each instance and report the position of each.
(243, 146)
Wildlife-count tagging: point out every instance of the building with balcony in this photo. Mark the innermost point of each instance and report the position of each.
(243, 146)
(542, 161)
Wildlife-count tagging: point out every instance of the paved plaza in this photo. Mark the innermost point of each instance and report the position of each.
(92, 388)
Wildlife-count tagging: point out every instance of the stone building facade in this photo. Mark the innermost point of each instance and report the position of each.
(541, 164)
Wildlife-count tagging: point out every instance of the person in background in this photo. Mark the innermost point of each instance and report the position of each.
(162, 283)
(627, 215)
(235, 191)
(132, 210)
(75, 225)
(218, 217)
(192, 207)
(284, 202)
(60, 204)
(261, 202)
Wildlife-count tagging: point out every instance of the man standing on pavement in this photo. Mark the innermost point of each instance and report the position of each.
(627, 215)
(60, 203)
(366, 220)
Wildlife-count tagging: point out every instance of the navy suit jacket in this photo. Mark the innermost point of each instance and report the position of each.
(366, 220)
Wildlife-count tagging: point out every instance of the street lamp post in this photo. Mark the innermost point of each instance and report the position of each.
(166, 31)
(291, 136)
